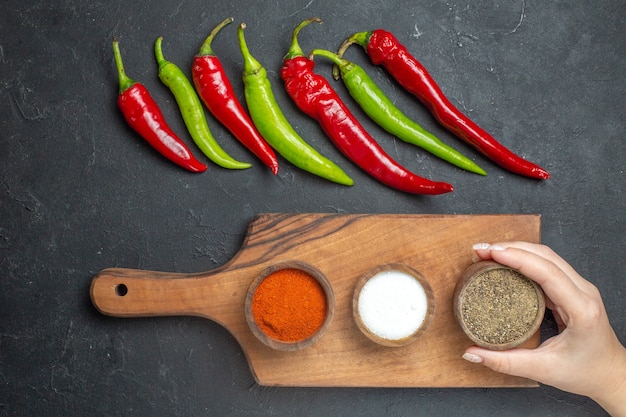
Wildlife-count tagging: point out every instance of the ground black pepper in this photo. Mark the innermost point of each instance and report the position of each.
(499, 306)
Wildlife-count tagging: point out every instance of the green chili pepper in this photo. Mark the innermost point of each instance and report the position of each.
(273, 125)
(192, 111)
(381, 109)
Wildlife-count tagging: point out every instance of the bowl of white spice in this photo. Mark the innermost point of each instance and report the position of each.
(393, 304)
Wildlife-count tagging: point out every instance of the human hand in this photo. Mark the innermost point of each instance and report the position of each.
(585, 358)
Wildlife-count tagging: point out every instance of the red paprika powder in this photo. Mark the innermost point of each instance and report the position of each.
(289, 305)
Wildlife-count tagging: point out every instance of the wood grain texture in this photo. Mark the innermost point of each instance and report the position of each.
(344, 248)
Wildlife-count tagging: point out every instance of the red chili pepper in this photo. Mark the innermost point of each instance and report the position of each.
(143, 114)
(384, 49)
(313, 94)
(217, 93)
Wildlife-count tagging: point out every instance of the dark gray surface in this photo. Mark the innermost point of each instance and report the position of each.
(79, 191)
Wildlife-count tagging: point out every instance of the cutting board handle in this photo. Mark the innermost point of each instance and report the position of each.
(122, 292)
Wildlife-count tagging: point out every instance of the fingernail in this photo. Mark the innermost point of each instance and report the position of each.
(480, 246)
(470, 357)
(487, 246)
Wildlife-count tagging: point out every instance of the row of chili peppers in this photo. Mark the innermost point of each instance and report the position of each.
(266, 128)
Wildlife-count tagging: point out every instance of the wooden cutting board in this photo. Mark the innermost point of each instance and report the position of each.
(343, 247)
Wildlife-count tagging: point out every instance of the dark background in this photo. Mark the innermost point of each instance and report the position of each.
(80, 191)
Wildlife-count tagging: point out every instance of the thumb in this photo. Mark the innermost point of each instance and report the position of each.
(524, 363)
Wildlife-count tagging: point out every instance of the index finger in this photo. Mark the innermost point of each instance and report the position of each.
(544, 252)
(556, 283)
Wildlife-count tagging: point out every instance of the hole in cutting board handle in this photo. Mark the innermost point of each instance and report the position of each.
(121, 290)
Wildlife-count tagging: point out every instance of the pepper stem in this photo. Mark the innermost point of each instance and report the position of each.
(336, 59)
(158, 52)
(206, 49)
(250, 64)
(124, 80)
(361, 38)
(294, 49)
(341, 65)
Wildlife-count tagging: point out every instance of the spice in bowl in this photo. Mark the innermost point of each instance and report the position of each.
(497, 307)
(289, 306)
(393, 305)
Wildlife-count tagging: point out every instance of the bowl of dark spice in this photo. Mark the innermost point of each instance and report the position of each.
(289, 306)
(497, 307)
(393, 304)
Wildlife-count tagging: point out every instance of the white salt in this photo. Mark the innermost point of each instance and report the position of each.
(392, 305)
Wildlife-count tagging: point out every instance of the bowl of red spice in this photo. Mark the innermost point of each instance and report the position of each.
(289, 305)
(497, 307)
